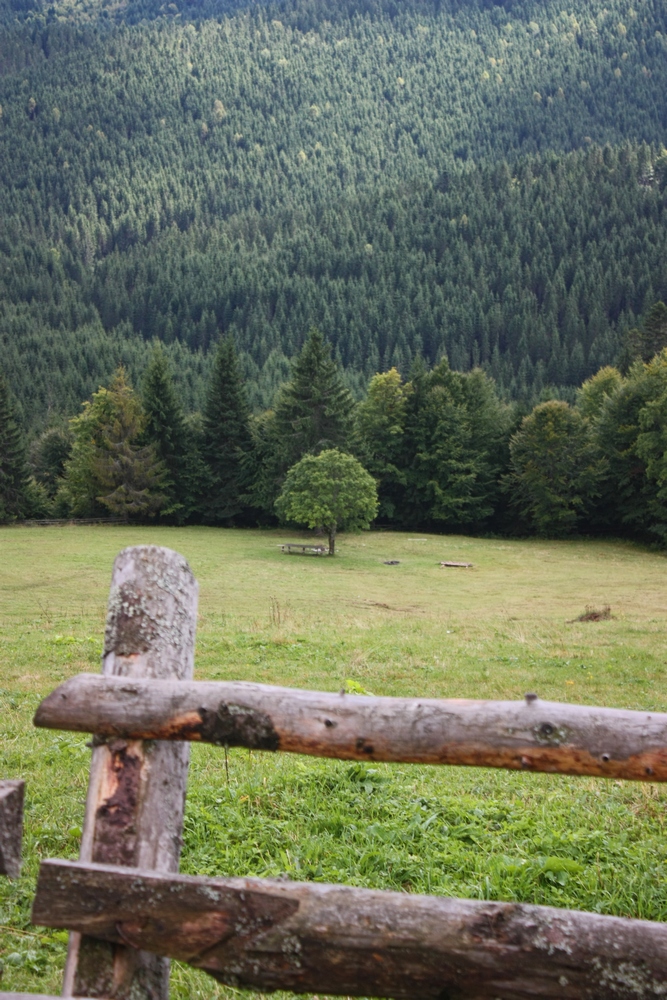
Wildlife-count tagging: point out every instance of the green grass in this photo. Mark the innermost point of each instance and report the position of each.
(496, 631)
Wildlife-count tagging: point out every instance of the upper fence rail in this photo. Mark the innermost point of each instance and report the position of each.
(531, 735)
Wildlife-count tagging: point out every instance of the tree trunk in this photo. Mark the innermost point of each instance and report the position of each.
(312, 938)
(529, 735)
(332, 540)
(136, 792)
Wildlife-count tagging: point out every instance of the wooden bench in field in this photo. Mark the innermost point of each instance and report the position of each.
(307, 549)
(459, 565)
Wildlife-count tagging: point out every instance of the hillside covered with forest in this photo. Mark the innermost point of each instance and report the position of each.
(485, 181)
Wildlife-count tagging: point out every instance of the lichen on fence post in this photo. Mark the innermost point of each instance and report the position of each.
(136, 793)
(11, 827)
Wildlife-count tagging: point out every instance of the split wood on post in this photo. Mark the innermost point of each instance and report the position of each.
(308, 937)
(531, 735)
(11, 827)
(136, 793)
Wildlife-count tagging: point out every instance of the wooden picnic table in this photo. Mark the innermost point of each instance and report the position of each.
(304, 549)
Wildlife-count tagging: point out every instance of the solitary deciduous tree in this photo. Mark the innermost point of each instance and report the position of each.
(329, 491)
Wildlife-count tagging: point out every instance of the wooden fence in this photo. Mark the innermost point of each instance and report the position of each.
(128, 909)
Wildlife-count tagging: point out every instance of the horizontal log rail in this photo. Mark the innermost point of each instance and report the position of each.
(32, 996)
(531, 735)
(307, 937)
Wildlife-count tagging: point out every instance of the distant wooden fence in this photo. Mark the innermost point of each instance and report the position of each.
(129, 910)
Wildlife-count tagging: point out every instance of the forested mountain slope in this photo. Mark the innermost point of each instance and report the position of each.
(484, 180)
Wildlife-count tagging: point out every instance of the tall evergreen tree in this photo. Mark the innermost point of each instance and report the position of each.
(227, 442)
(556, 469)
(48, 456)
(456, 430)
(13, 469)
(314, 409)
(110, 470)
(643, 344)
(379, 430)
(166, 429)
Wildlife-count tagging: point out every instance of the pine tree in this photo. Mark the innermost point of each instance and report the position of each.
(454, 447)
(109, 469)
(166, 429)
(227, 443)
(556, 469)
(13, 469)
(314, 409)
(379, 434)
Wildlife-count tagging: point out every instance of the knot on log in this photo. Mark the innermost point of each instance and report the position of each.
(238, 726)
(549, 734)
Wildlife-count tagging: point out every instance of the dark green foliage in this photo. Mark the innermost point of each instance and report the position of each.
(643, 344)
(48, 456)
(630, 432)
(556, 469)
(267, 469)
(455, 435)
(13, 469)
(226, 443)
(652, 444)
(110, 470)
(167, 430)
(379, 438)
(473, 179)
(314, 409)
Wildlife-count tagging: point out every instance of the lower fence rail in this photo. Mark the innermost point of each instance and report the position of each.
(309, 937)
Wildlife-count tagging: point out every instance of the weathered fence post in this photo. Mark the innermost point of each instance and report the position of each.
(11, 827)
(136, 794)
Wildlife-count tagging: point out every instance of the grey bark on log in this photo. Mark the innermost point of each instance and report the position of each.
(31, 996)
(11, 826)
(531, 735)
(136, 792)
(255, 933)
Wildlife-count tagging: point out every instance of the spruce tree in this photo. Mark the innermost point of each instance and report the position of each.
(13, 469)
(110, 470)
(227, 443)
(455, 433)
(166, 429)
(314, 409)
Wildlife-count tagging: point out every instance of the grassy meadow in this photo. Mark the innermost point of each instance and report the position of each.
(496, 631)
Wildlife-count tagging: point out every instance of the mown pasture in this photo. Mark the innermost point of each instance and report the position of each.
(498, 630)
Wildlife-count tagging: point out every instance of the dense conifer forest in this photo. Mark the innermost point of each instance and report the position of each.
(466, 203)
(482, 180)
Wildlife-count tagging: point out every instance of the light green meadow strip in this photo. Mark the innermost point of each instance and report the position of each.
(496, 631)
